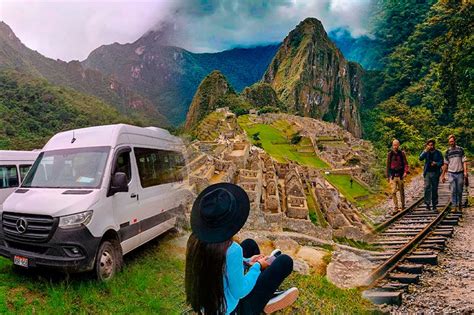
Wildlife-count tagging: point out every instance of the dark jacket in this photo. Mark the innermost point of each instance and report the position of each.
(435, 156)
(397, 164)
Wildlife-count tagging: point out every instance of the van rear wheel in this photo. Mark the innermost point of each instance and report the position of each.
(108, 261)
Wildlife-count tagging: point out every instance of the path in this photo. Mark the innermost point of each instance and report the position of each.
(449, 286)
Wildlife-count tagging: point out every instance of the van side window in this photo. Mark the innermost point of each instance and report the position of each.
(24, 170)
(123, 164)
(8, 176)
(157, 167)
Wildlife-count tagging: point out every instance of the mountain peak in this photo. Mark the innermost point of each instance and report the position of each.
(4, 27)
(215, 75)
(207, 97)
(309, 27)
(161, 34)
(6, 33)
(310, 23)
(312, 77)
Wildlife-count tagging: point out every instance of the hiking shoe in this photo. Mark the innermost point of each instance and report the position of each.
(277, 293)
(273, 256)
(281, 301)
(276, 252)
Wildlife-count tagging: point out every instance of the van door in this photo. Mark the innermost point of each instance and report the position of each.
(156, 192)
(125, 204)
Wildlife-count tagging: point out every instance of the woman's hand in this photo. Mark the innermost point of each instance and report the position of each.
(263, 263)
(255, 258)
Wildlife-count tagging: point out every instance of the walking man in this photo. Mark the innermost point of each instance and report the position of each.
(431, 173)
(455, 164)
(397, 168)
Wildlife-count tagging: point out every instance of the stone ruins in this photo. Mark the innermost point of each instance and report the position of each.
(283, 196)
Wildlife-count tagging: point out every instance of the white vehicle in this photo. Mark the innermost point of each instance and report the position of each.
(93, 195)
(13, 168)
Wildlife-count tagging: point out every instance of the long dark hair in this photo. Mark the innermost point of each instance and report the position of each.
(204, 281)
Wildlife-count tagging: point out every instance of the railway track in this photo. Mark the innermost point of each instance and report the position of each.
(408, 242)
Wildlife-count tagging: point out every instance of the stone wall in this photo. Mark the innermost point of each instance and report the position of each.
(297, 207)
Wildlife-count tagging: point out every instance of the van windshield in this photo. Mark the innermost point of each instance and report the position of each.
(69, 168)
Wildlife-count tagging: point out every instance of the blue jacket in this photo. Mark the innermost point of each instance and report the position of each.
(237, 284)
(436, 157)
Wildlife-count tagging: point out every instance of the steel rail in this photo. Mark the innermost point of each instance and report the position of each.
(391, 263)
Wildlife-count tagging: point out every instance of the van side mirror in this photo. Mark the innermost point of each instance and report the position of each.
(119, 183)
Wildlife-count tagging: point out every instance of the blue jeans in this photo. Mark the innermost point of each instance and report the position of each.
(431, 188)
(456, 185)
(267, 283)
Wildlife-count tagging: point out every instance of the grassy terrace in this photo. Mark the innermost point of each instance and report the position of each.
(208, 128)
(275, 140)
(342, 183)
(150, 283)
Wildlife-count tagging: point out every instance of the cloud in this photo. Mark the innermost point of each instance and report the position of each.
(217, 25)
(71, 29)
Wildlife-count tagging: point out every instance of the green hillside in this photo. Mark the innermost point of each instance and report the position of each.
(390, 23)
(32, 110)
(426, 87)
(169, 75)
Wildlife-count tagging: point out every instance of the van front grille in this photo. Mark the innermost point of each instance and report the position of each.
(28, 227)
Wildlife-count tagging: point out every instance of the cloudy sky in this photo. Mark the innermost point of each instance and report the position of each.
(71, 29)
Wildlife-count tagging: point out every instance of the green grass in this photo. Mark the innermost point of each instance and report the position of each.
(151, 282)
(319, 296)
(342, 183)
(275, 141)
(334, 144)
(315, 214)
(312, 209)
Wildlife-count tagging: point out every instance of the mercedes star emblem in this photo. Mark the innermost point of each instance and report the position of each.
(21, 225)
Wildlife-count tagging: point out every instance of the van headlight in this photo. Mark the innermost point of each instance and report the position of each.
(75, 220)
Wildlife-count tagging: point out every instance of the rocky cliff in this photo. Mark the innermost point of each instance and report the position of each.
(209, 96)
(312, 78)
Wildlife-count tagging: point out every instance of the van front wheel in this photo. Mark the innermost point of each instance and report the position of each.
(108, 261)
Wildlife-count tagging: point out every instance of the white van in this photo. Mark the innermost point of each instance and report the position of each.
(14, 166)
(92, 195)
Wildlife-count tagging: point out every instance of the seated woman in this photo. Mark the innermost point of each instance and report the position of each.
(215, 279)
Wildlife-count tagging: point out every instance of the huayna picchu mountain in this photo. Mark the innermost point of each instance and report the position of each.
(14, 55)
(312, 78)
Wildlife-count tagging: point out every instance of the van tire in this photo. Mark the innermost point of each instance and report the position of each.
(108, 260)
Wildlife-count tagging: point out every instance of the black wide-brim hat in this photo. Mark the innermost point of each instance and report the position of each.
(219, 212)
